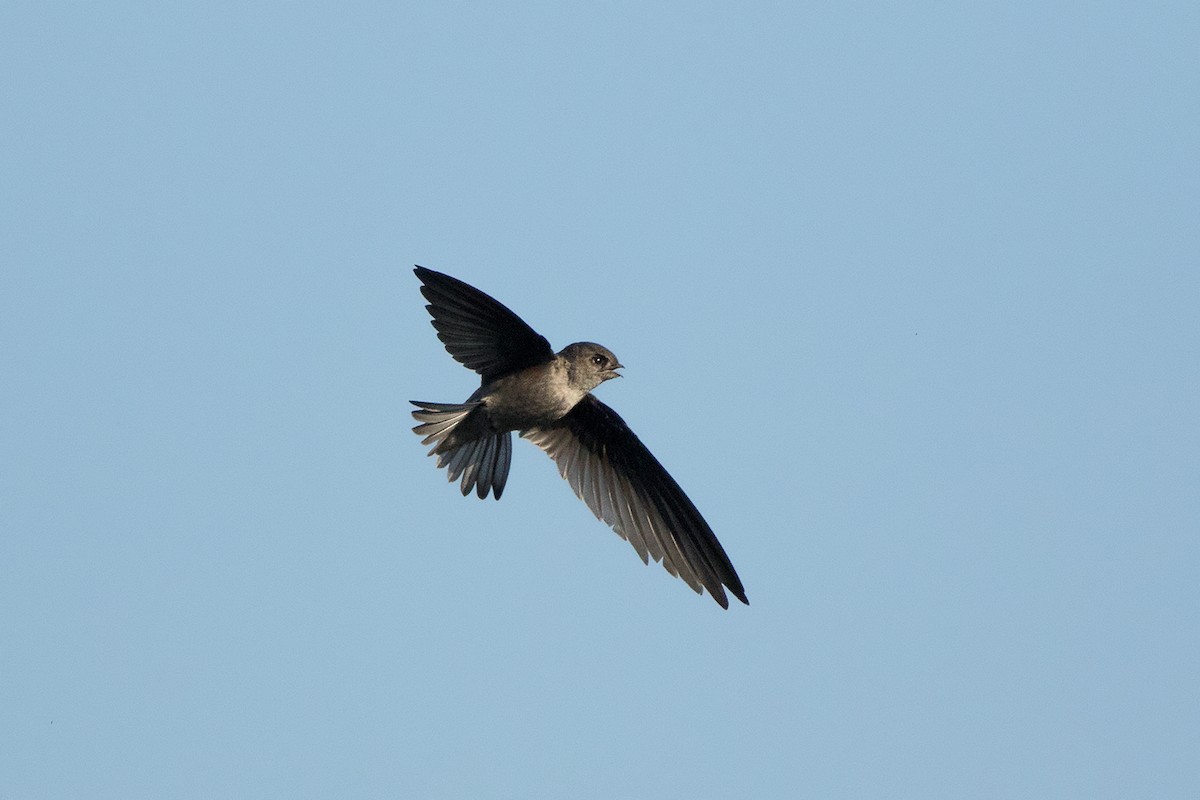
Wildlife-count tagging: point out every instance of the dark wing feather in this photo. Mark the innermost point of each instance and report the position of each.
(625, 485)
(477, 330)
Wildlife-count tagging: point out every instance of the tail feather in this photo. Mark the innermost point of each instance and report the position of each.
(465, 445)
(495, 470)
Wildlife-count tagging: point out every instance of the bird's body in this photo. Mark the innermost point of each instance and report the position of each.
(537, 395)
(546, 397)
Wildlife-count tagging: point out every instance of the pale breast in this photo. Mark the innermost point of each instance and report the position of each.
(535, 396)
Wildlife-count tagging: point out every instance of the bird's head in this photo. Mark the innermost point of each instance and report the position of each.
(589, 364)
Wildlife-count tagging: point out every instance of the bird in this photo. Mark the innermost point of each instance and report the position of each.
(546, 397)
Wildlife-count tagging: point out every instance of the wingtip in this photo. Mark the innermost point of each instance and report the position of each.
(723, 601)
(426, 275)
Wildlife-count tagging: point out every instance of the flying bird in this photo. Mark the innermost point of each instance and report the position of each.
(547, 397)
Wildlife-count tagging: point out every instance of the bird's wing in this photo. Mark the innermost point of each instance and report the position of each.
(477, 330)
(624, 485)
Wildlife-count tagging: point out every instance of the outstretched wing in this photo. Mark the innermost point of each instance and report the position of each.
(477, 330)
(624, 485)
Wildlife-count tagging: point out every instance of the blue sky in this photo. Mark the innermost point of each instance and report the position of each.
(907, 296)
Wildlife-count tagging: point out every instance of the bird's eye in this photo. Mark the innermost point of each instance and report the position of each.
(599, 360)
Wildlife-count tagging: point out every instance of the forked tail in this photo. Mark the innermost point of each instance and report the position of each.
(465, 444)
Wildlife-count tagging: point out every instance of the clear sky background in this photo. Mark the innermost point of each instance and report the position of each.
(907, 295)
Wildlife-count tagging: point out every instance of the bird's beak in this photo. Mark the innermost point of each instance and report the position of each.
(612, 372)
